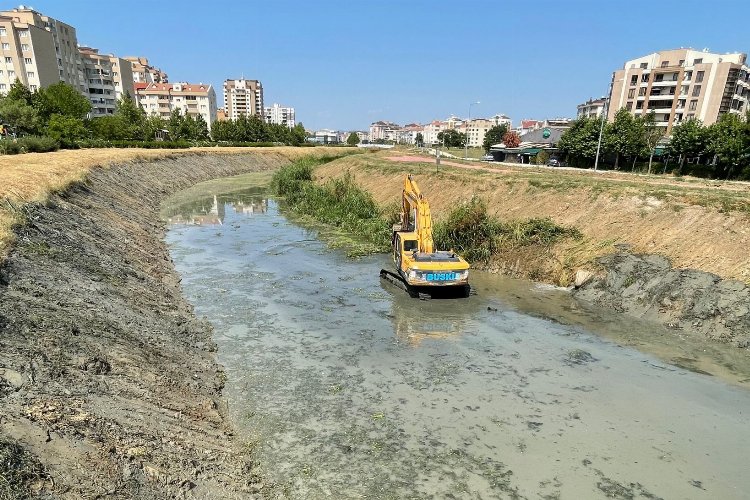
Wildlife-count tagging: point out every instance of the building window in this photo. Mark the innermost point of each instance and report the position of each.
(644, 77)
(8, 60)
(2, 86)
(27, 60)
(3, 32)
(696, 90)
(699, 76)
(25, 46)
(693, 105)
(23, 33)
(664, 64)
(642, 91)
(30, 74)
(11, 73)
(6, 46)
(697, 61)
(631, 93)
(644, 65)
(639, 105)
(682, 61)
(630, 106)
(32, 88)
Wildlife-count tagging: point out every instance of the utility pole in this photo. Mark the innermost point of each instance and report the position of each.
(604, 120)
(466, 143)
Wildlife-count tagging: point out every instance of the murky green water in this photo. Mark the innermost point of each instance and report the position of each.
(349, 389)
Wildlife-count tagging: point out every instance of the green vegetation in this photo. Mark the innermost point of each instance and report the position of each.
(494, 136)
(338, 203)
(468, 229)
(478, 236)
(353, 139)
(719, 151)
(19, 470)
(452, 138)
(253, 129)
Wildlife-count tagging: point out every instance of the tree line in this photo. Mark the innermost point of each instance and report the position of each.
(61, 114)
(720, 150)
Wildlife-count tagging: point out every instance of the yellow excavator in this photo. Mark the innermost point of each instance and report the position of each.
(420, 269)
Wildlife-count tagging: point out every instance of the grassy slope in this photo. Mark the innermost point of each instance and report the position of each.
(696, 223)
(32, 177)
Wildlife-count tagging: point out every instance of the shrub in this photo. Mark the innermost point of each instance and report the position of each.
(542, 157)
(9, 147)
(38, 144)
(102, 143)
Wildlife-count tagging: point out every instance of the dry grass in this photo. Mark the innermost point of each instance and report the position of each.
(32, 177)
(696, 223)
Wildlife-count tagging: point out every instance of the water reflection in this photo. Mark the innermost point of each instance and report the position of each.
(210, 209)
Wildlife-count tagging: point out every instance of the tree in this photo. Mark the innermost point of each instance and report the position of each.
(20, 116)
(419, 139)
(653, 133)
(152, 125)
(494, 136)
(542, 157)
(580, 141)
(623, 137)
(20, 93)
(65, 129)
(133, 118)
(61, 99)
(511, 140)
(688, 139)
(353, 139)
(452, 138)
(110, 127)
(729, 140)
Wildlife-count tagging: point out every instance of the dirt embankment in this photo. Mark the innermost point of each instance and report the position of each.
(690, 223)
(106, 376)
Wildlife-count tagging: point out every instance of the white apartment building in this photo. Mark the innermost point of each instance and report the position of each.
(108, 77)
(281, 115)
(382, 130)
(190, 98)
(680, 84)
(243, 97)
(431, 130)
(143, 72)
(593, 108)
(501, 119)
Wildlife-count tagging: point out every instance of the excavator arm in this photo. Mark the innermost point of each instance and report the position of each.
(416, 216)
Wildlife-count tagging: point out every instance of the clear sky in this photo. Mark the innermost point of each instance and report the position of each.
(345, 64)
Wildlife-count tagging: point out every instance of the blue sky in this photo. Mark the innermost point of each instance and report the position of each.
(344, 64)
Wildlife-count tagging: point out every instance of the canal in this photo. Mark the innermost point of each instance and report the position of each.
(345, 387)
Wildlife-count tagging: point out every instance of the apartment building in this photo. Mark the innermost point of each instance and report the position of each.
(108, 77)
(382, 130)
(190, 98)
(593, 108)
(476, 129)
(280, 115)
(37, 50)
(243, 97)
(143, 72)
(681, 84)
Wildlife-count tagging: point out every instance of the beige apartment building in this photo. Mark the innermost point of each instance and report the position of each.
(108, 78)
(38, 50)
(243, 97)
(681, 84)
(143, 72)
(593, 108)
(190, 98)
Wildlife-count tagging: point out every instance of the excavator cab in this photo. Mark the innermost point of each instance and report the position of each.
(418, 264)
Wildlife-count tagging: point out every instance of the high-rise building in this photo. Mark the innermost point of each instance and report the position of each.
(280, 115)
(681, 84)
(143, 72)
(38, 50)
(243, 97)
(108, 77)
(190, 98)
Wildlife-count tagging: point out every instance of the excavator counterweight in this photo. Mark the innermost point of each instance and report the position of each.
(420, 269)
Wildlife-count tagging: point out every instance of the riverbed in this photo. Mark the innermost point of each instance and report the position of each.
(344, 387)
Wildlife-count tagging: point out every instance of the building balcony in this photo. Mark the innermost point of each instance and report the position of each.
(664, 83)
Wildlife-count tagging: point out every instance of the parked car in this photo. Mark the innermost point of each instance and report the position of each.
(488, 157)
(553, 162)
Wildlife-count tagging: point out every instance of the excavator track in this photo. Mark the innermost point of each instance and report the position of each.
(396, 280)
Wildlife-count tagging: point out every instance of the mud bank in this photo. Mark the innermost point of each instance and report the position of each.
(647, 286)
(106, 375)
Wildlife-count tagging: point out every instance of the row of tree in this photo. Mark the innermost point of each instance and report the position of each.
(722, 149)
(59, 111)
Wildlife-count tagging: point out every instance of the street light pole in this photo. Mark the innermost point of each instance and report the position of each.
(466, 143)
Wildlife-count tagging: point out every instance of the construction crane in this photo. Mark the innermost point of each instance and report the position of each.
(420, 269)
